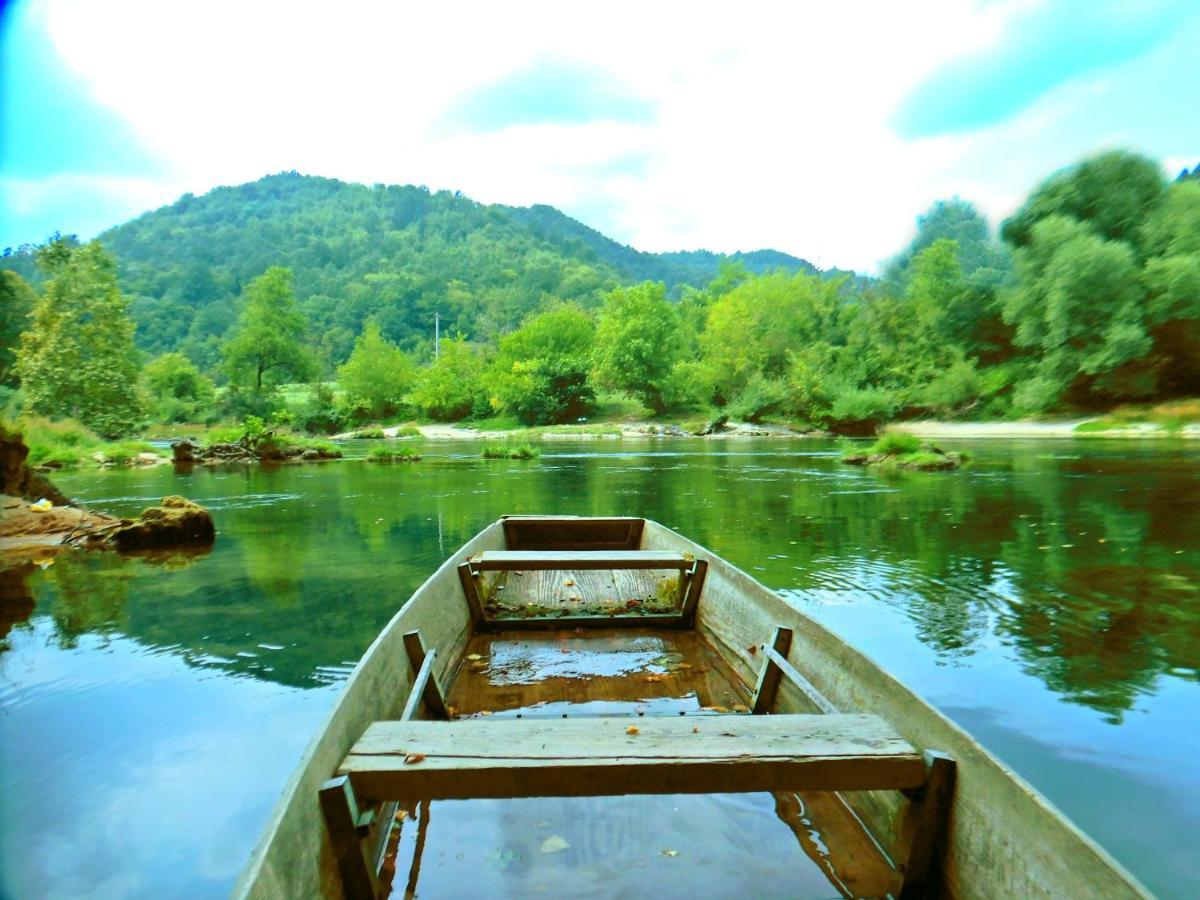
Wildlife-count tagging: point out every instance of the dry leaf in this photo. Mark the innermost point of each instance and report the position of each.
(485, 712)
(671, 853)
(554, 844)
(684, 666)
(752, 649)
(632, 729)
(568, 583)
(474, 656)
(715, 708)
(695, 729)
(741, 707)
(414, 758)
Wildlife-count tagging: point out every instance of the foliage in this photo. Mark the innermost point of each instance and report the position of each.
(319, 414)
(896, 442)
(78, 358)
(177, 390)
(377, 375)
(453, 387)
(17, 300)
(541, 369)
(392, 454)
(637, 343)
(267, 347)
(510, 450)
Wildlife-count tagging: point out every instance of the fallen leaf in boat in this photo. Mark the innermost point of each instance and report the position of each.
(671, 853)
(568, 583)
(485, 712)
(474, 656)
(741, 707)
(414, 758)
(554, 844)
(695, 729)
(752, 649)
(632, 729)
(632, 603)
(715, 708)
(684, 666)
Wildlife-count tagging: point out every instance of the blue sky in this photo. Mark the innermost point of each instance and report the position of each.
(818, 129)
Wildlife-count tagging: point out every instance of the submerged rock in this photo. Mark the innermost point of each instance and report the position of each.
(927, 458)
(265, 449)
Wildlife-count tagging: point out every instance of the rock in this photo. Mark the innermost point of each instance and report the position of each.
(176, 520)
(311, 453)
(17, 478)
(184, 451)
(148, 459)
(716, 426)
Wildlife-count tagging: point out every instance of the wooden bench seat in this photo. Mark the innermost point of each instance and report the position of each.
(598, 756)
(507, 560)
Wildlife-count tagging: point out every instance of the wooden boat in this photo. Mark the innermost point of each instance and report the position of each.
(907, 803)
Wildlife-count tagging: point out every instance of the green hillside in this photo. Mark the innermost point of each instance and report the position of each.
(398, 253)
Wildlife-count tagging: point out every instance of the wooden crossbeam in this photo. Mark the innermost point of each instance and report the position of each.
(551, 623)
(572, 532)
(533, 560)
(693, 584)
(924, 827)
(772, 672)
(602, 757)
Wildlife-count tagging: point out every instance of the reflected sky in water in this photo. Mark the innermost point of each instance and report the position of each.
(1047, 598)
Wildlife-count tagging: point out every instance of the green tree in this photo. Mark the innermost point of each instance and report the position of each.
(753, 329)
(638, 343)
(541, 369)
(1079, 306)
(1172, 279)
(178, 390)
(453, 387)
(377, 375)
(17, 300)
(78, 358)
(267, 347)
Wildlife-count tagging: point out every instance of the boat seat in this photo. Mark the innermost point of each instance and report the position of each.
(692, 573)
(475, 758)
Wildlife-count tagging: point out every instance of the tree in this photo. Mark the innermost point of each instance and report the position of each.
(17, 300)
(541, 370)
(984, 260)
(638, 343)
(267, 347)
(178, 390)
(1112, 193)
(453, 387)
(752, 331)
(1079, 306)
(377, 375)
(78, 358)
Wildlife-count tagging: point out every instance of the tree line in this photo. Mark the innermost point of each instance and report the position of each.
(1090, 298)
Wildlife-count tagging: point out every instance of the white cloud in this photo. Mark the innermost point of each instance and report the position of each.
(770, 126)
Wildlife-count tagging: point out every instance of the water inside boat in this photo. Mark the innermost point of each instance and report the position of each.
(712, 845)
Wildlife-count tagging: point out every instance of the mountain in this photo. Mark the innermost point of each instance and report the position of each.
(398, 253)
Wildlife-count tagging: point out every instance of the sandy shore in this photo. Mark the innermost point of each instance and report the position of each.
(1058, 429)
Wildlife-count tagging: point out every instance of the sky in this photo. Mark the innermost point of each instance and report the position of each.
(819, 129)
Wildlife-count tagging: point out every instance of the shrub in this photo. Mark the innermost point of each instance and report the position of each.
(388, 454)
(510, 450)
(897, 443)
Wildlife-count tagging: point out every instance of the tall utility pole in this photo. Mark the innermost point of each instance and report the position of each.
(437, 336)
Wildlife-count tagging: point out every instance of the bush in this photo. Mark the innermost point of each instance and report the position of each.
(408, 430)
(897, 443)
(760, 397)
(369, 434)
(388, 454)
(510, 451)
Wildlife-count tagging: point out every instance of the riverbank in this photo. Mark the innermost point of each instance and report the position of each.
(1064, 428)
(595, 431)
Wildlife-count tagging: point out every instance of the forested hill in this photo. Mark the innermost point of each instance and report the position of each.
(397, 253)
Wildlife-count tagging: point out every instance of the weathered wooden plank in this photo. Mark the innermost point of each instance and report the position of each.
(471, 591)
(694, 584)
(542, 623)
(416, 696)
(431, 691)
(492, 560)
(599, 757)
(572, 533)
(778, 658)
(772, 672)
(925, 827)
(342, 817)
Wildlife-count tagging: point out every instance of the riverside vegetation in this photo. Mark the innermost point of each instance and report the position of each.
(307, 303)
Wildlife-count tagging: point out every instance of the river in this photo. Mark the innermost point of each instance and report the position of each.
(1046, 598)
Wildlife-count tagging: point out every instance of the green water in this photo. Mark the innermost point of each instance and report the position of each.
(1047, 599)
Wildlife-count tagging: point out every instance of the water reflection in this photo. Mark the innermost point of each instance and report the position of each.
(1055, 573)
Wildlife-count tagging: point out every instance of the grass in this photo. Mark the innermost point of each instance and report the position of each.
(388, 455)
(373, 433)
(1170, 416)
(510, 450)
(66, 442)
(408, 430)
(896, 443)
